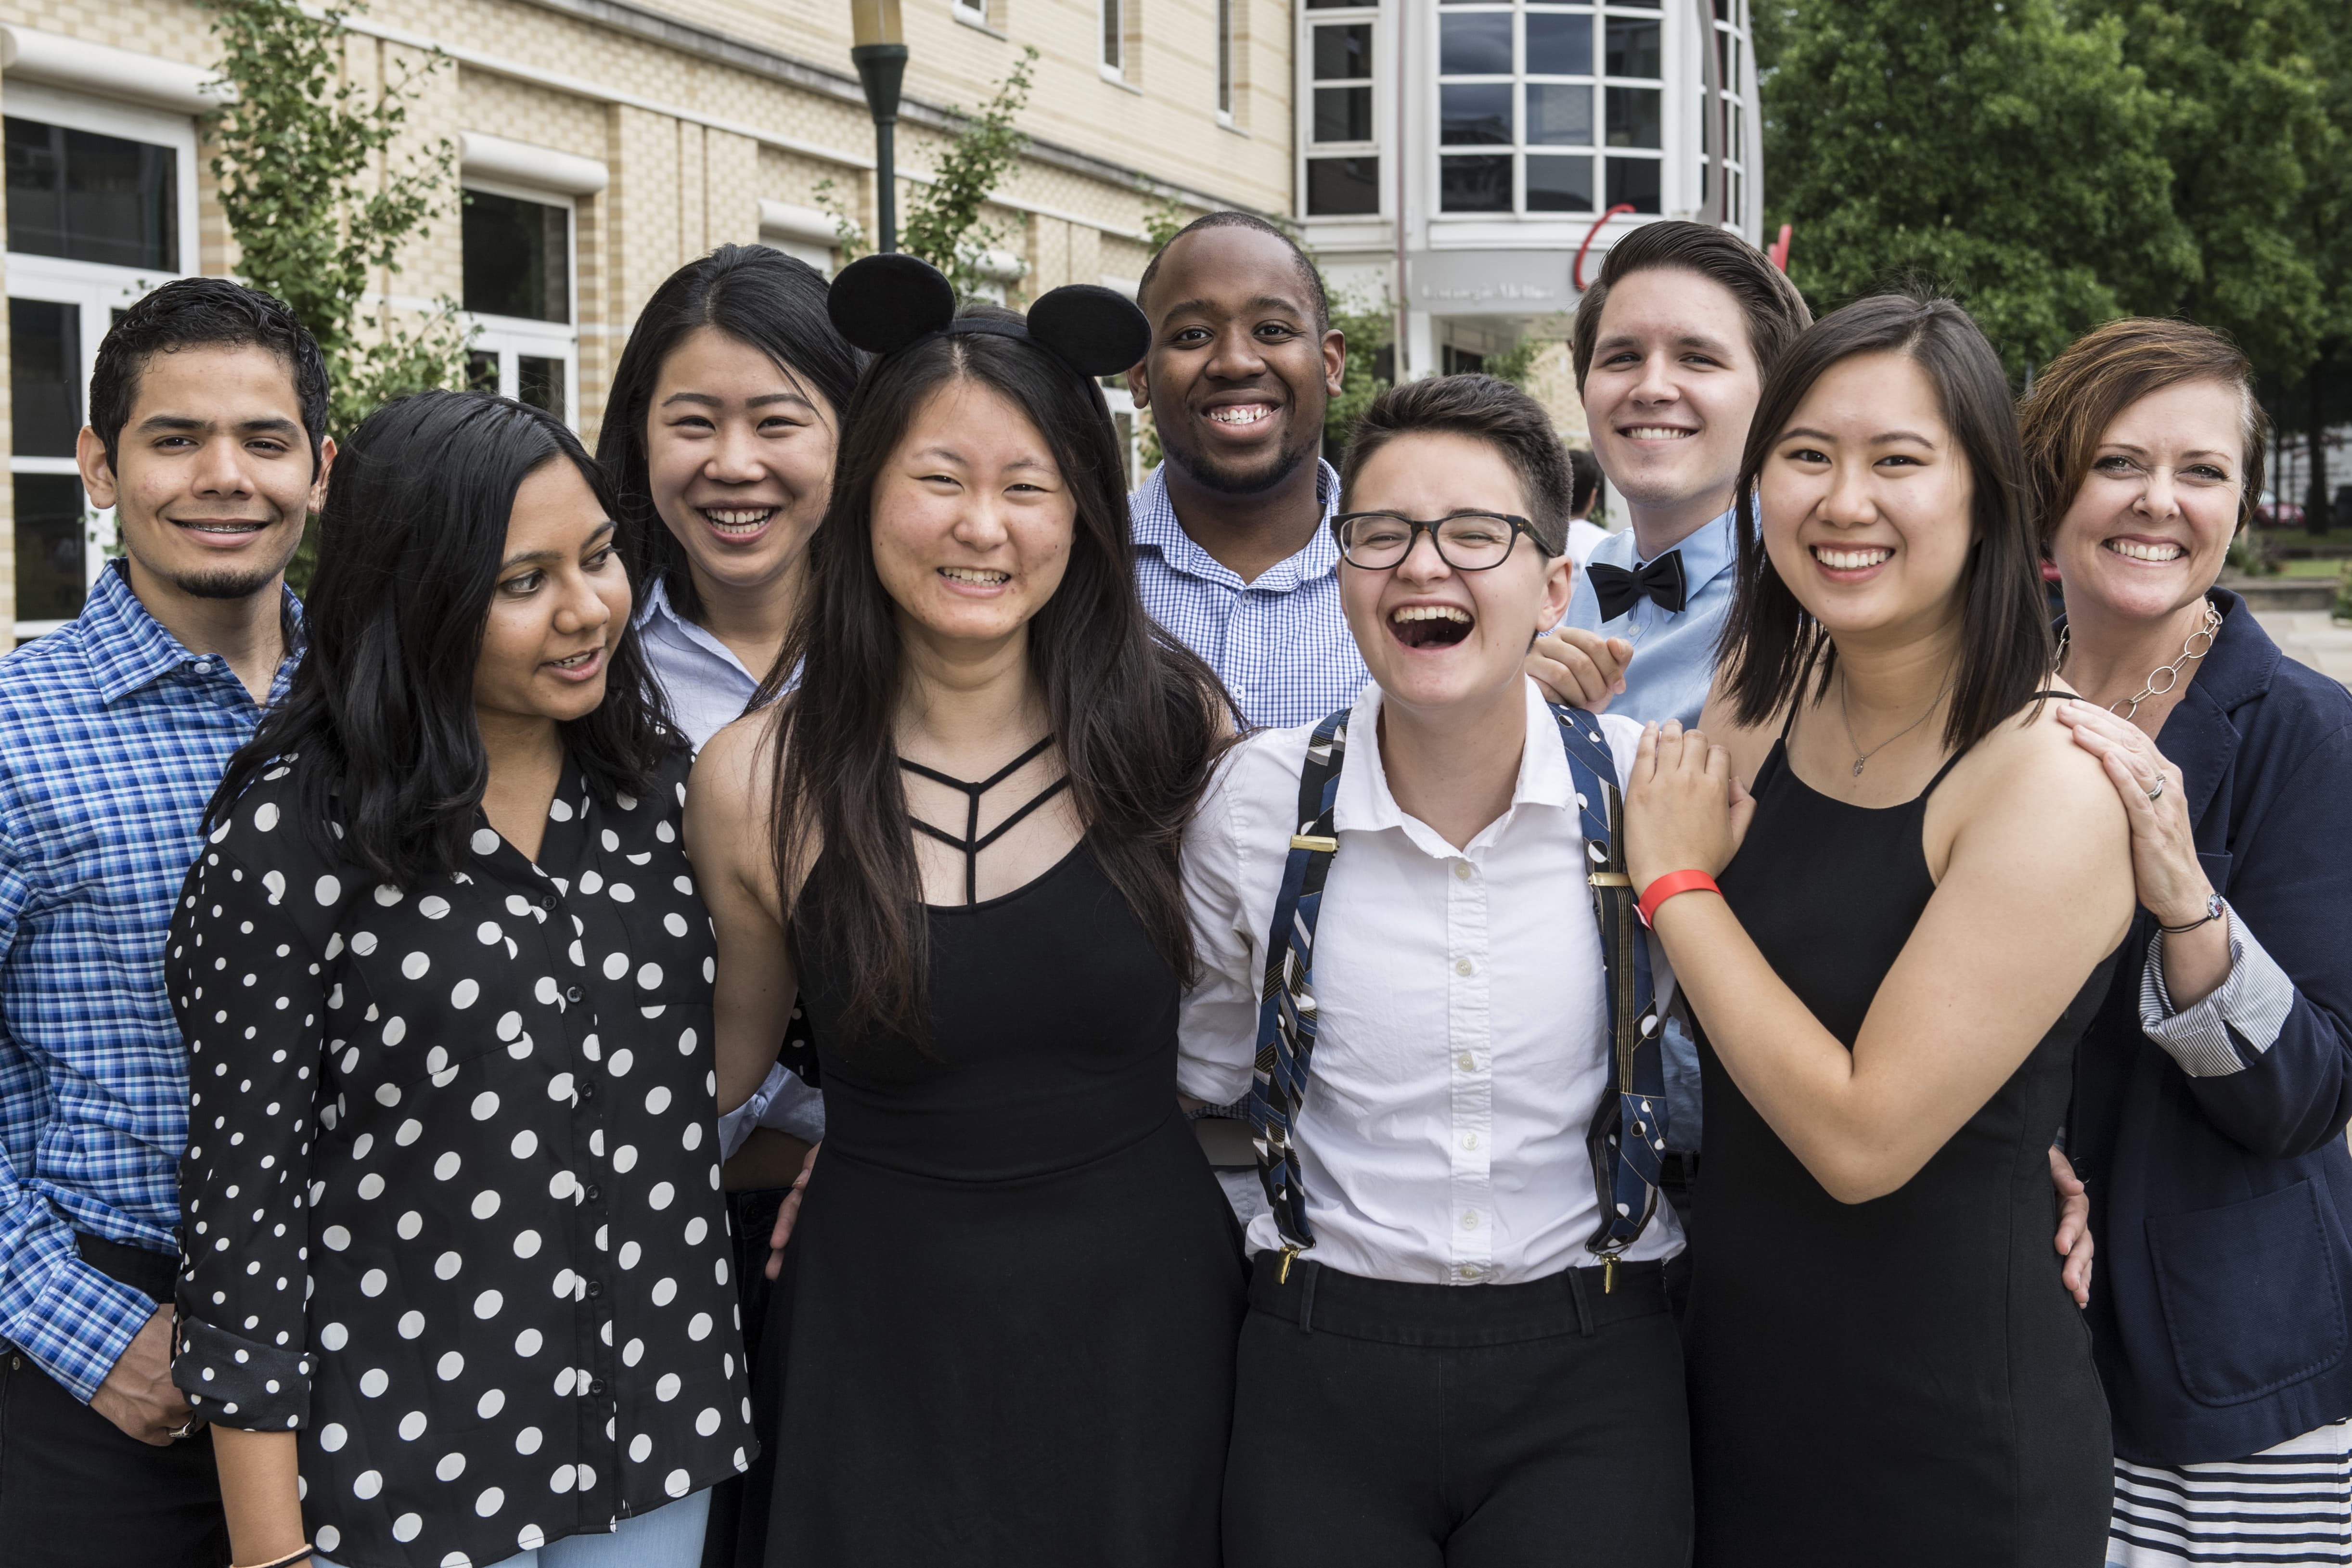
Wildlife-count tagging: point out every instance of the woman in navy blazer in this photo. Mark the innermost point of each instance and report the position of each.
(2213, 1090)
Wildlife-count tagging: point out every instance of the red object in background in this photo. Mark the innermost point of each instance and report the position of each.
(2049, 570)
(2278, 514)
(1577, 276)
(1778, 251)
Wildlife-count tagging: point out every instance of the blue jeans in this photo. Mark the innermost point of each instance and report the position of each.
(669, 1537)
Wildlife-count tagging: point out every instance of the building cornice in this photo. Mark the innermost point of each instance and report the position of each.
(756, 60)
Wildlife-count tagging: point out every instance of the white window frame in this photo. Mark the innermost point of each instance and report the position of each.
(512, 337)
(1369, 15)
(1110, 33)
(95, 288)
(972, 13)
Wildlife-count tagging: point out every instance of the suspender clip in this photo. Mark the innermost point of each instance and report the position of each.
(1315, 842)
(1607, 1274)
(1283, 1275)
(1610, 879)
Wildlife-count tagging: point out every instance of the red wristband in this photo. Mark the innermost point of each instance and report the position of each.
(1668, 886)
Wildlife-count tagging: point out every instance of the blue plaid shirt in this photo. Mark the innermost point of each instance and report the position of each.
(1279, 644)
(112, 736)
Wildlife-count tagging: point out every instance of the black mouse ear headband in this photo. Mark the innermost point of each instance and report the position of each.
(886, 302)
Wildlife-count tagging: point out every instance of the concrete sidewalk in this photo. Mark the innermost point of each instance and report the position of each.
(2312, 638)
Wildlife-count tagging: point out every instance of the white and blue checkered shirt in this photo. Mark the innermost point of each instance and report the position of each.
(1279, 644)
(112, 736)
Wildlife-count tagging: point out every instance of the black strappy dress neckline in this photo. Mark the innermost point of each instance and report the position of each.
(974, 841)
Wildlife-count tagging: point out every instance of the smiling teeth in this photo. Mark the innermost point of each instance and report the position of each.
(1240, 414)
(974, 574)
(1430, 612)
(2131, 549)
(739, 520)
(575, 660)
(1657, 433)
(1851, 559)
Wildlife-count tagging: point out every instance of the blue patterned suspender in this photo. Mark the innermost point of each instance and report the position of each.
(1628, 1132)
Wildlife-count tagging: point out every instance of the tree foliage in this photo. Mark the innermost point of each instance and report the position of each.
(941, 224)
(316, 204)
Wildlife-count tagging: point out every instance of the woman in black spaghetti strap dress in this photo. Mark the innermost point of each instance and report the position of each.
(1004, 1330)
(1885, 1366)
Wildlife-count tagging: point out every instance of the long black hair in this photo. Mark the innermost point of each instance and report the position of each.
(378, 725)
(761, 298)
(1136, 714)
(1773, 651)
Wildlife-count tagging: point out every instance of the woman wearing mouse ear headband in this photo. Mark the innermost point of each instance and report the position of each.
(1003, 1327)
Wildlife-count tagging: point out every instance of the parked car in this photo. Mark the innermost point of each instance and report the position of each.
(2275, 513)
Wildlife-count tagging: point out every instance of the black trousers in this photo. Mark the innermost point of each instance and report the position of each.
(1385, 1426)
(76, 1492)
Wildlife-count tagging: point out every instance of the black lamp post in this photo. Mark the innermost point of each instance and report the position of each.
(880, 52)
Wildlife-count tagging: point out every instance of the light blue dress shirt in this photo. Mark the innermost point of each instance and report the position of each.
(708, 689)
(1672, 672)
(1674, 650)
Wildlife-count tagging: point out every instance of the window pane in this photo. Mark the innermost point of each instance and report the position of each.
(1343, 114)
(1558, 115)
(1330, 5)
(1479, 185)
(1633, 117)
(1631, 48)
(1559, 185)
(44, 377)
(1110, 34)
(1224, 57)
(1476, 114)
(481, 370)
(86, 197)
(1459, 361)
(1475, 44)
(539, 383)
(1635, 181)
(517, 257)
(1343, 53)
(50, 529)
(1558, 46)
(1341, 187)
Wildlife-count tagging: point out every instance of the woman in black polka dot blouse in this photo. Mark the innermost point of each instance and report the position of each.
(453, 1247)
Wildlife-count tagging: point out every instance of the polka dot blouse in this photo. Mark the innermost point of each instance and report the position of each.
(451, 1204)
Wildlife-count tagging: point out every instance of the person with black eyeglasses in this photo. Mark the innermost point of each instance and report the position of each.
(1458, 1334)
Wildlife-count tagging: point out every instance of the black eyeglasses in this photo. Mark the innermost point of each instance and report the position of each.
(1467, 540)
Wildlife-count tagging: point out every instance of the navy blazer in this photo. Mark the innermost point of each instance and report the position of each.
(2221, 1310)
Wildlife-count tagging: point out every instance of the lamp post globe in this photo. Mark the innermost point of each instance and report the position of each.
(879, 50)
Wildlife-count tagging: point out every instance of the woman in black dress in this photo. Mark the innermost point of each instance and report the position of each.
(1884, 1365)
(1004, 1329)
(456, 1282)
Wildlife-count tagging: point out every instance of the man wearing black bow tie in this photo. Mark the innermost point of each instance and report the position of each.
(1671, 348)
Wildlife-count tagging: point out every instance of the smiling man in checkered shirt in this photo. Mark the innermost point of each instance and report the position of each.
(207, 412)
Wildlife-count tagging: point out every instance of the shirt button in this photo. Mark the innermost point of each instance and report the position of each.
(596, 1194)
(1466, 1062)
(1464, 966)
(595, 1287)
(1470, 1220)
(1470, 1272)
(587, 1092)
(203, 666)
(1469, 1140)
(1462, 869)
(548, 902)
(573, 995)
(595, 1385)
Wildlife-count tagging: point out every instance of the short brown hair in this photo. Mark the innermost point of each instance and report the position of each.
(1775, 313)
(1484, 408)
(2106, 369)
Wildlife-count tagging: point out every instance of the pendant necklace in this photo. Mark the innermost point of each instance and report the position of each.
(2199, 643)
(1860, 756)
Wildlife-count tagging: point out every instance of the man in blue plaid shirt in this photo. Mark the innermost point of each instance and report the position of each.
(1232, 551)
(207, 407)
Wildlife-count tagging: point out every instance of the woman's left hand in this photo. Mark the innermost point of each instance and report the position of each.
(1685, 809)
(2171, 882)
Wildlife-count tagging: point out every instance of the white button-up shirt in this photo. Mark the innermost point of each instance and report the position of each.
(1461, 1046)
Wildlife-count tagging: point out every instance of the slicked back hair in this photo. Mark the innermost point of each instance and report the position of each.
(1773, 651)
(1310, 276)
(1484, 408)
(2106, 369)
(203, 312)
(1775, 313)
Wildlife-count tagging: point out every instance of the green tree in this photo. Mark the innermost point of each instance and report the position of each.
(942, 224)
(2005, 149)
(315, 207)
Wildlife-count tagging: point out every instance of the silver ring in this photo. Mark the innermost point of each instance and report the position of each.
(2158, 790)
(184, 1431)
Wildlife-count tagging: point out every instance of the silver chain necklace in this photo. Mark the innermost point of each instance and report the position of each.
(1860, 756)
(2169, 674)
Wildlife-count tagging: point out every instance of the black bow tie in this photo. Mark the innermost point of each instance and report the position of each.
(1618, 589)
